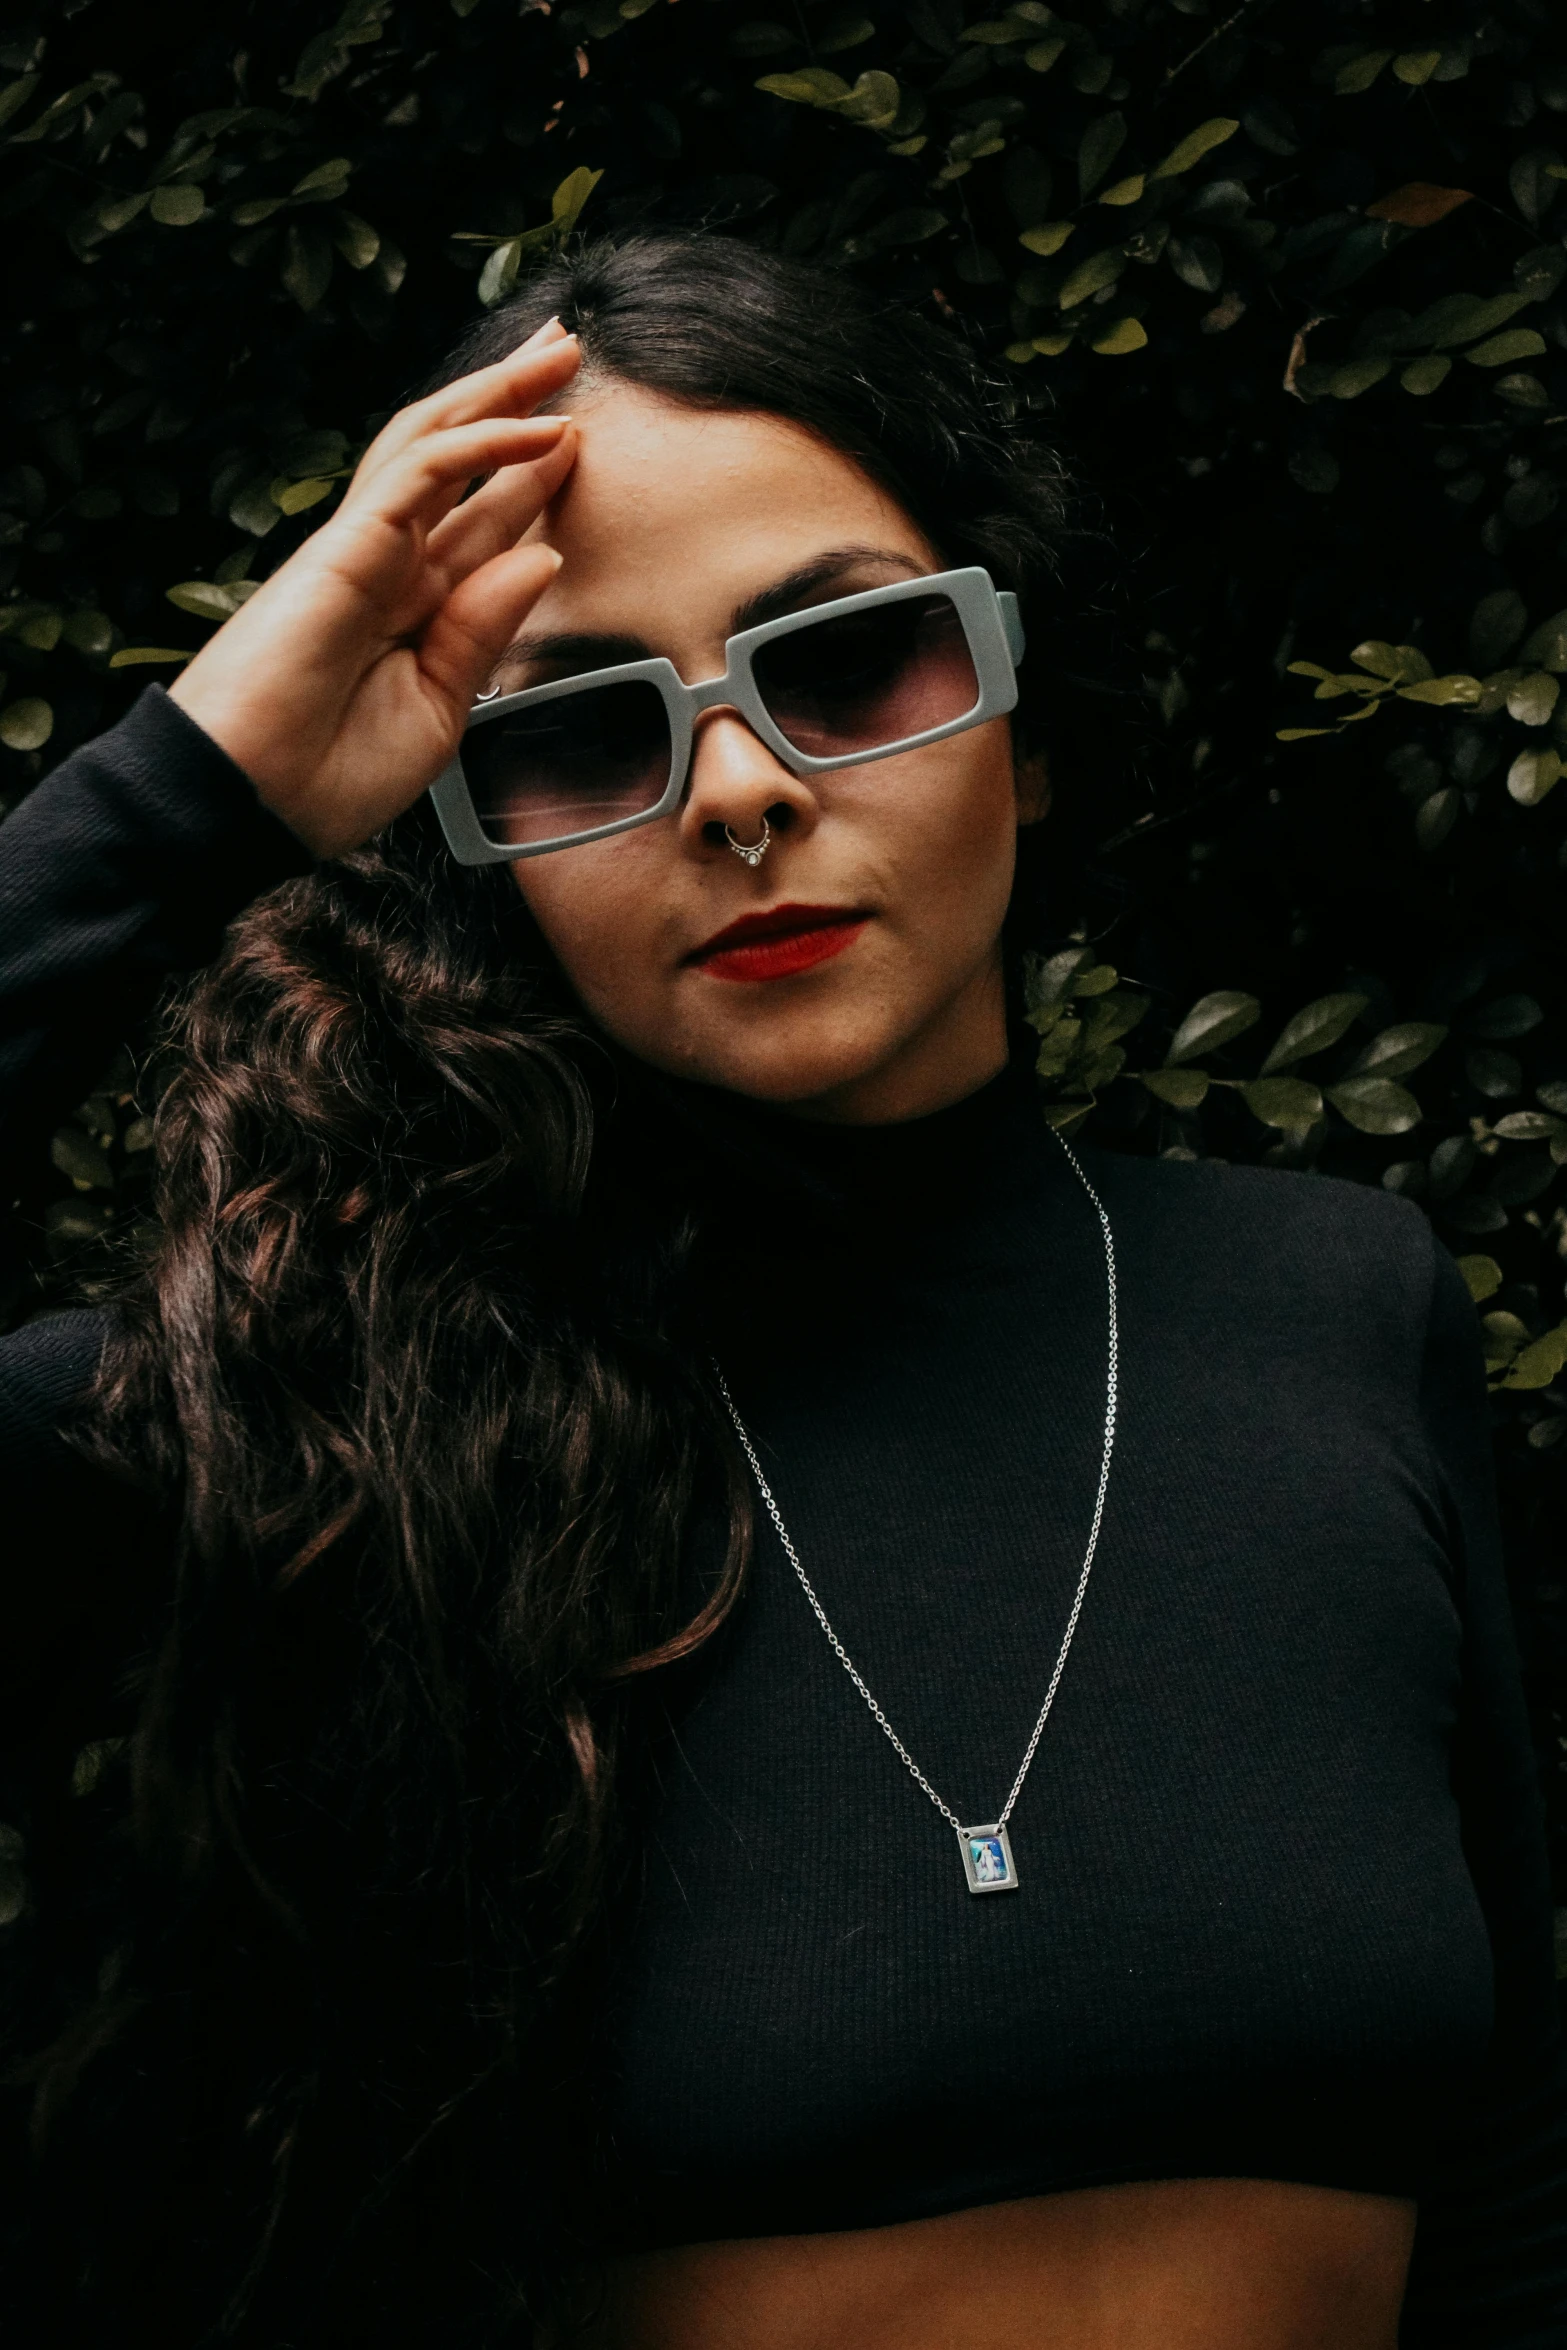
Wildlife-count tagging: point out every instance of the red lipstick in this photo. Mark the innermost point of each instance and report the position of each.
(783, 940)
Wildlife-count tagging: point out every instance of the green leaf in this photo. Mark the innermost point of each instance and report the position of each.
(1394, 1051)
(1089, 277)
(55, 113)
(1505, 1017)
(1197, 262)
(89, 632)
(1443, 692)
(1283, 1101)
(1375, 1104)
(86, 1163)
(1495, 625)
(994, 33)
(1182, 1089)
(811, 85)
(26, 725)
(1495, 1074)
(1435, 818)
(1042, 56)
(1519, 342)
(296, 497)
(116, 212)
(1460, 318)
(1532, 178)
(1116, 340)
(1051, 981)
(846, 30)
(205, 598)
(499, 273)
(251, 507)
(1125, 191)
(315, 452)
(1097, 149)
(1099, 979)
(1537, 1364)
(1195, 146)
(1522, 391)
(874, 102)
(1482, 1277)
(139, 656)
(567, 201)
(1048, 238)
(1546, 646)
(1399, 664)
(355, 239)
(1532, 775)
(1360, 72)
(331, 177)
(1357, 376)
(306, 271)
(1312, 1030)
(1415, 66)
(1530, 1126)
(1423, 376)
(1533, 698)
(909, 226)
(177, 204)
(1214, 1020)
(16, 94)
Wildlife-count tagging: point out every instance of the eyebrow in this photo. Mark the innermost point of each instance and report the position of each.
(574, 652)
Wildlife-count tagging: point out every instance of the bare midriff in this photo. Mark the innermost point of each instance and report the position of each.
(1178, 2264)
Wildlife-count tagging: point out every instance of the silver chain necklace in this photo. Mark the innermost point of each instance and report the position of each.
(988, 1866)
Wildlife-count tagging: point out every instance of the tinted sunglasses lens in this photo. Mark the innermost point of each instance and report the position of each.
(567, 765)
(868, 678)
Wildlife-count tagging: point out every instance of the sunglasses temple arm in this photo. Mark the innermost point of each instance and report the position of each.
(1012, 623)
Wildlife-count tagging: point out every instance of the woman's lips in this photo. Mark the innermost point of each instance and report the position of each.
(772, 945)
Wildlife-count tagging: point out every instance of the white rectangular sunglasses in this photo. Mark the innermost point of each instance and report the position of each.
(833, 686)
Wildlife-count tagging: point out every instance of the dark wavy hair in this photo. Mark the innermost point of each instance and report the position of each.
(412, 1381)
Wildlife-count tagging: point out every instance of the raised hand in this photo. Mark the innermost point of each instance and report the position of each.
(342, 685)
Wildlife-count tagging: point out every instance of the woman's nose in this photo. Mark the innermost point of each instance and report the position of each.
(737, 782)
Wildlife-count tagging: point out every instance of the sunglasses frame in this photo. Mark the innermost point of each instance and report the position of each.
(992, 625)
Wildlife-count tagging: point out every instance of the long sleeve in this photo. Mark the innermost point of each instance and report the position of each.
(121, 868)
(1490, 2265)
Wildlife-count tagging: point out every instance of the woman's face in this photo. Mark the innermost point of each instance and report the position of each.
(673, 523)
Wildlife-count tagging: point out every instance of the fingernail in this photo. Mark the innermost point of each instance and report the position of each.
(549, 332)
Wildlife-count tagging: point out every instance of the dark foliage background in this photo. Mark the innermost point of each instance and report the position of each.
(1290, 279)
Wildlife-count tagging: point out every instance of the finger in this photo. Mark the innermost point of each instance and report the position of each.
(424, 484)
(496, 516)
(468, 635)
(511, 387)
(460, 402)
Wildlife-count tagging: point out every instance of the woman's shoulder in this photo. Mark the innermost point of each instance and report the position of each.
(46, 1367)
(1288, 1244)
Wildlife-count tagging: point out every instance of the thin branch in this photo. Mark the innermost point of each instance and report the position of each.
(1246, 8)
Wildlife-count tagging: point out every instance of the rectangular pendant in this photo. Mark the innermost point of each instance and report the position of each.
(987, 1860)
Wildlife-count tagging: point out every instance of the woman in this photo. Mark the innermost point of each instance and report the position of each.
(509, 1919)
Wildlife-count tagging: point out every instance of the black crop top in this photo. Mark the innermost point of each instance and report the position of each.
(1282, 1906)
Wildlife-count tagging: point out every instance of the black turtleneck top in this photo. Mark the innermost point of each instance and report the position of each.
(1282, 1907)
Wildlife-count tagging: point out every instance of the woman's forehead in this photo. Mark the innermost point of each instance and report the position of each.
(660, 487)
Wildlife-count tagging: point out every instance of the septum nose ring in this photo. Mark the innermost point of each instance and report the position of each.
(751, 852)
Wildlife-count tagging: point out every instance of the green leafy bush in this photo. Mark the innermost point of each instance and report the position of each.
(1290, 279)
